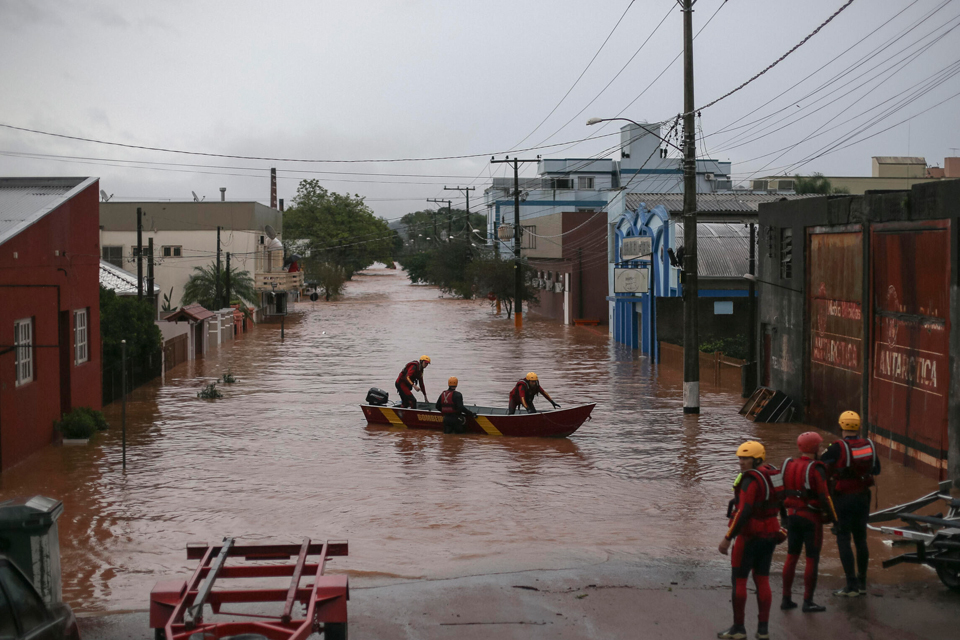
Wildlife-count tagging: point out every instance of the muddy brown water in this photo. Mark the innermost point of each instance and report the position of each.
(286, 454)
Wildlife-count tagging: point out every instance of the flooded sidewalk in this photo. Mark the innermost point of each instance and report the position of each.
(286, 454)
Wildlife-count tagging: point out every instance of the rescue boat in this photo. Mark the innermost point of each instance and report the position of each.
(551, 423)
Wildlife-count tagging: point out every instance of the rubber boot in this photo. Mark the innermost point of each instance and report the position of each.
(763, 631)
(787, 603)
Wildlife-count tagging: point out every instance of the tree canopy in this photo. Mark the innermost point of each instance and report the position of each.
(333, 228)
(202, 287)
(495, 278)
(815, 183)
(418, 226)
(130, 319)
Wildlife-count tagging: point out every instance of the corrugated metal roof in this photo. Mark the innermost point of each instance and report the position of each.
(709, 202)
(723, 250)
(122, 282)
(23, 201)
(900, 160)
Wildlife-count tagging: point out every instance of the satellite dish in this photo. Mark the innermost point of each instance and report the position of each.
(104, 197)
(195, 198)
(267, 229)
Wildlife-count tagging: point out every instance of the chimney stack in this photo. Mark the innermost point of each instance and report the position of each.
(223, 194)
(281, 205)
(273, 188)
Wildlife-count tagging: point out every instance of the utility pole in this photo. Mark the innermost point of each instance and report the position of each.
(750, 372)
(150, 294)
(449, 217)
(466, 191)
(139, 253)
(518, 282)
(226, 282)
(216, 295)
(691, 333)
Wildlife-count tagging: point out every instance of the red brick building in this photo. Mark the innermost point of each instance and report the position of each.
(49, 308)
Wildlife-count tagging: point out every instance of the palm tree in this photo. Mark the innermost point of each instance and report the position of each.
(202, 286)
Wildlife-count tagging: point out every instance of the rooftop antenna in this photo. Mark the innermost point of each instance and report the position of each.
(104, 197)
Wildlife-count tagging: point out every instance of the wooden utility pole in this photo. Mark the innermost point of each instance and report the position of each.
(449, 217)
(139, 253)
(750, 375)
(226, 282)
(216, 291)
(150, 294)
(691, 333)
(518, 282)
(466, 191)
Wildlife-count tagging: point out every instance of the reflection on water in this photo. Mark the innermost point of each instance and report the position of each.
(287, 454)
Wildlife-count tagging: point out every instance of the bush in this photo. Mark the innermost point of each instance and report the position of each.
(228, 378)
(77, 425)
(97, 417)
(735, 347)
(209, 392)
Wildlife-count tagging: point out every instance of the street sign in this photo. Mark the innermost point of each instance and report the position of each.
(636, 247)
(631, 280)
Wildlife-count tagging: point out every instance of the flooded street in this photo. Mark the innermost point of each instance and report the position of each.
(287, 454)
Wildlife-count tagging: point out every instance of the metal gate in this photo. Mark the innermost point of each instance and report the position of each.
(175, 351)
(910, 377)
(835, 322)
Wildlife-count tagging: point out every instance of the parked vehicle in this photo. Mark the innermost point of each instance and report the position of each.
(24, 615)
(937, 537)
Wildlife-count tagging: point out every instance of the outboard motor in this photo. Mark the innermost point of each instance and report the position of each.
(377, 397)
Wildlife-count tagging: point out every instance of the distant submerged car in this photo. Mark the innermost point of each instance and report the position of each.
(23, 613)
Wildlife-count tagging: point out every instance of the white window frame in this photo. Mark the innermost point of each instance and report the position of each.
(586, 183)
(23, 343)
(81, 336)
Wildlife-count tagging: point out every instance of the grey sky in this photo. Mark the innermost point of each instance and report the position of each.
(365, 79)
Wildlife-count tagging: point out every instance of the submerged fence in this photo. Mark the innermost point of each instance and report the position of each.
(139, 372)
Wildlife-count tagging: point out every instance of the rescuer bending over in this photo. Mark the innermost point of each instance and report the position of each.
(450, 404)
(757, 531)
(525, 391)
(412, 378)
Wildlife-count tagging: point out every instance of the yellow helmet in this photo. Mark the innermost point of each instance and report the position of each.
(751, 449)
(425, 359)
(532, 377)
(850, 421)
(452, 381)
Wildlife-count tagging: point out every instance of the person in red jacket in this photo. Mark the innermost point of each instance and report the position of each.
(412, 378)
(525, 391)
(808, 504)
(852, 463)
(754, 533)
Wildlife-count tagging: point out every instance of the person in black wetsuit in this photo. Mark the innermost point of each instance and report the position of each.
(450, 404)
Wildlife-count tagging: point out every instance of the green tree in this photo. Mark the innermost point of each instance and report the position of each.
(202, 286)
(330, 279)
(816, 183)
(495, 278)
(327, 227)
(419, 225)
(130, 319)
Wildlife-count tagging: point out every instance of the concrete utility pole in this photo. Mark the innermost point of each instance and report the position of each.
(150, 295)
(466, 191)
(691, 333)
(216, 291)
(139, 253)
(518, 282)
(226, 282)
(449, 217)
(750, 371)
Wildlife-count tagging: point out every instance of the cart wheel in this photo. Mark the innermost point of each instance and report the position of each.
(335, 631)
(950, 575)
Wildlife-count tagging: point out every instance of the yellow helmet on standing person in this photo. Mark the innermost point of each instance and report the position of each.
(850, 421)
(531, 377)
(751, 449)
(452, 381)
(425, 359)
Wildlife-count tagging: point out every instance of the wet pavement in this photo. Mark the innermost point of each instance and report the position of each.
(286, 454)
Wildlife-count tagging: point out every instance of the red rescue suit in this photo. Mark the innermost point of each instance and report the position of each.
(412, 371)
(524, 391)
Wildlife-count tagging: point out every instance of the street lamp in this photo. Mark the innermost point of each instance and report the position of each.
(593, 121)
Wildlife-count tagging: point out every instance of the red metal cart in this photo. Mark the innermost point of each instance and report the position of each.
(177, 606)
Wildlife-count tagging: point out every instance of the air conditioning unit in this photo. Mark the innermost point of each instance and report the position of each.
(558, 287)
(708, 177)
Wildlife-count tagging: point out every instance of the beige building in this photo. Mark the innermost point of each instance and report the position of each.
(185, 236)
(889, 173)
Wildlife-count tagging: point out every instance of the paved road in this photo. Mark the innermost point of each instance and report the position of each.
(608, 600)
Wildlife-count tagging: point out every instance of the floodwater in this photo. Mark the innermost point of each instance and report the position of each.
(286, 454)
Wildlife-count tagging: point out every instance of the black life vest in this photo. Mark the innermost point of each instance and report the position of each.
(446, 401)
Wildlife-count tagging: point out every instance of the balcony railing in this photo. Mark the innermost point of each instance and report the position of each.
(264, 280)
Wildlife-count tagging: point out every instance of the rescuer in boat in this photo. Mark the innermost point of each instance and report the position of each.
(754, 533)
(450, 404)
(852, 463)
(524, 393)
(412, 378)
(808, 504)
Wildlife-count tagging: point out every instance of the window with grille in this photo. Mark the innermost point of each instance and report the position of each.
(171, 251)
(113, 255)
(786, 252)
(585, 182)
(81, 350)
(23, 345)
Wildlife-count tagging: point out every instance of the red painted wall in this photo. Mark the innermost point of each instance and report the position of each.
(27, 412)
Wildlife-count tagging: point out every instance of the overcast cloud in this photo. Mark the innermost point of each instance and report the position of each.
(384, 80)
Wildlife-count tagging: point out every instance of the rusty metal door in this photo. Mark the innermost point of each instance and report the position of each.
(835, 323)
(910, 378)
